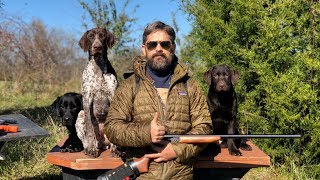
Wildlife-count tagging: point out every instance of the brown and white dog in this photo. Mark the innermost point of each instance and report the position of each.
(98, 86)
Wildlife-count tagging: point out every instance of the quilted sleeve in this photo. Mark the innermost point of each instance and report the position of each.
(200, 120)
(119, 127)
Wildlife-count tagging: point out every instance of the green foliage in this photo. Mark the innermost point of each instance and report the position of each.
(105, 14)
(276, 47)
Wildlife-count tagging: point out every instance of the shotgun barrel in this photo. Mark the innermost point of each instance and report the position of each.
(198, 139)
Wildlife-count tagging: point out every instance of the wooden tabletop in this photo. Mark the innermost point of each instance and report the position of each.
(27, 128)
(79, 161)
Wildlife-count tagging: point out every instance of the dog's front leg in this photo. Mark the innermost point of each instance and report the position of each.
(90, 143)
(233, 150)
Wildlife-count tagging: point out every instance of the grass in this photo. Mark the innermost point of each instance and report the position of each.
(26, 159)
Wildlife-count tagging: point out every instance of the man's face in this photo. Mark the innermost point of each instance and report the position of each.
(158, 50)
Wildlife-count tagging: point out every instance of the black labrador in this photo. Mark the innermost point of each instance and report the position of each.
(67, 108)
(223, 107)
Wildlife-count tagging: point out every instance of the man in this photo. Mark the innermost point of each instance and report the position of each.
(160, 98)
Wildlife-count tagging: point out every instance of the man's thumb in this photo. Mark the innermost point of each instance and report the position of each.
(155, 118)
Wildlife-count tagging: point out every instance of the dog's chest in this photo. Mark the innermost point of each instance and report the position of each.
(94, 79)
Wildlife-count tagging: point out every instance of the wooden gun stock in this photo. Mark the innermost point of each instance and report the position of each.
(141, 165)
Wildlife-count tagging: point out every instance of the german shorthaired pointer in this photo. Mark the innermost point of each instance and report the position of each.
(223, 107)
(98, 86)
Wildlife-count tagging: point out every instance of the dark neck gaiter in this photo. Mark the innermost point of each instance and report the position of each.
(161, 80)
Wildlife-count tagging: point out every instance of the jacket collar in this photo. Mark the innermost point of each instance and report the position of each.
(140, 64)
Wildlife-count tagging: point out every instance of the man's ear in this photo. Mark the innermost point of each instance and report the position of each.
(173, 49)
(143, 49)
(207, 77)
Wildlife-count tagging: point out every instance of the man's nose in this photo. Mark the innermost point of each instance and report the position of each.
(159, 47)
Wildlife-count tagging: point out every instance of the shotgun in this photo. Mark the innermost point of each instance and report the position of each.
(134, 168)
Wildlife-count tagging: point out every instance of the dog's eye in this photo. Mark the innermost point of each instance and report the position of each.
(216, 76)
(101, 35)
(90, 36)
(62, 107)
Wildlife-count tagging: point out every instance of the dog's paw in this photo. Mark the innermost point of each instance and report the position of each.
(74, 148)
(92, 152)
(244, 146)
(224, 144)
(116, 151)
(63, 149)
(235, 152)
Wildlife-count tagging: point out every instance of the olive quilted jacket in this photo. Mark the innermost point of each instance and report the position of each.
(186, 111)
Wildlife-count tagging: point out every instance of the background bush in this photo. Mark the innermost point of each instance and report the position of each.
(275, 46)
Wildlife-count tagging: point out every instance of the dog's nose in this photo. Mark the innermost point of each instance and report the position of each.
(97, 47)
(66, 120)
(101, 115)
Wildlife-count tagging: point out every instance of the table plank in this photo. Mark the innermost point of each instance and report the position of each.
(249, 159)
(27, 128)
(79, 161)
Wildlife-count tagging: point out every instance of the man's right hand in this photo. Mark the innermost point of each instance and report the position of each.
(157, 131)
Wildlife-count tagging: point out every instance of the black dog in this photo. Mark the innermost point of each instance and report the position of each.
(67, 108)
(222, 101)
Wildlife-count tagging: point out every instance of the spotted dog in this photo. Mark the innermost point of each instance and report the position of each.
(98, 86)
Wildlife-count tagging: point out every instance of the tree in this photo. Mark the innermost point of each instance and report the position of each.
(32, 55)
(105, 14)
(276, 47)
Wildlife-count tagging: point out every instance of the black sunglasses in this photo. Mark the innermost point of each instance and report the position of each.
(151, 45)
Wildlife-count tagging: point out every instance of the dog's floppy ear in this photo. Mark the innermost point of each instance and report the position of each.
(79, 96)
(55, 106)
(235, 76)
(110, 39)
(84, 42)
(207, 77)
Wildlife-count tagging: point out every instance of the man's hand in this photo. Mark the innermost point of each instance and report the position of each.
(165, 152)
(157, 131)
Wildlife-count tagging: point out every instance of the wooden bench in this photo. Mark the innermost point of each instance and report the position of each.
(222, 166)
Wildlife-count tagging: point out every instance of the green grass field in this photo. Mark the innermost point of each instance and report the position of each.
(26, 159)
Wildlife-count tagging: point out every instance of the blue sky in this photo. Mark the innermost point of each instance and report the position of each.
(67, 14)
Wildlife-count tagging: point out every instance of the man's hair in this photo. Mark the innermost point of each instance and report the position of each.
(158, 25)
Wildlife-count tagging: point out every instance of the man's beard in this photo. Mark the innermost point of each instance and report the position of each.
(158, 65)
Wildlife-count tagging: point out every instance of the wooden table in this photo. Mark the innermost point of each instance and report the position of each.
(27, 129)
(222, 166)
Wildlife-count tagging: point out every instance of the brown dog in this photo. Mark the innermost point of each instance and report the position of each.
(223, 107)
(98, 86)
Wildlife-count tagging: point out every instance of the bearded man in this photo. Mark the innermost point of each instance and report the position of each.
(160, 98)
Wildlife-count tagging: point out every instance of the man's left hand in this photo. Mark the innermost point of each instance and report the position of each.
(165, 152)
